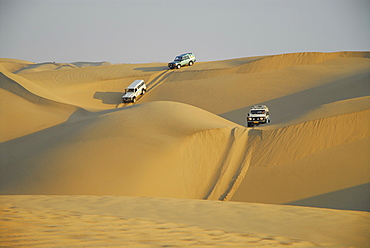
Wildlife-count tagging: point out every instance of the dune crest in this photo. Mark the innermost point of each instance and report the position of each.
(123, 151)
(262, 64)
(337, 130)
(313, 151)
(40, 108)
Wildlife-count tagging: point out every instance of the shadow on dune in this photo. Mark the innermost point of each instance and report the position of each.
(109, 97)
(44, 65)
(290, 107)
(354, 198)
(16, 174)
(88, 64)
(57, 66)
(149, 69)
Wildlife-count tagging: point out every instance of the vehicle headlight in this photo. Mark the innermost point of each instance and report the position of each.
(249, 118)
(261, 118)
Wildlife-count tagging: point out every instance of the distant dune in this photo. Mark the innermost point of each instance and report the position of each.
(65, 131)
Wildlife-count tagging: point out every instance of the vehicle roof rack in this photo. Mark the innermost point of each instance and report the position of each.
(261, 106)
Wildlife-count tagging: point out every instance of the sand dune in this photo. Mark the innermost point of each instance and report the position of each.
(118, 221)
(293, 167)
(130, 159)
(65, 131)
(230, 94)
(28, 108)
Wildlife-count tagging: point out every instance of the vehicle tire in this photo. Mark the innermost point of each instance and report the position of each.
(249, 124)
(134, 99)
(178, 66)
(143, 92)
(191, 63)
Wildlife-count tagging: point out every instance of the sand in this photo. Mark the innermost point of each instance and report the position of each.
(121, 221)
(179, 167)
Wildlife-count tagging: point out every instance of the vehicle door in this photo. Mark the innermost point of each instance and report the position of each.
(185, 60)
(140, 88)
(136, 91)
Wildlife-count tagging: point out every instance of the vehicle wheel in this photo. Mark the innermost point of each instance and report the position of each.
(143, 92)
(191, 63)
(249, 124)
(178, 66)
(134, 99)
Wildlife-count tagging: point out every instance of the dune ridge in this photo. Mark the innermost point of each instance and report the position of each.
(265, 64)
(40, 108)
(180, 168)
(84, 74)
(237, 92)
(338, 130)
(310, 160)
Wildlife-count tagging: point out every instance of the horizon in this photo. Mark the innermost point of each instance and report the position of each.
(145, 31)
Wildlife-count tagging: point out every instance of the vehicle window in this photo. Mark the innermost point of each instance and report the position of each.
(130, 90)
(256, 112)
(178, 58)
(186, 57)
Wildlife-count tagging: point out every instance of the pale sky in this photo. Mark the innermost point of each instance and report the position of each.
(144, 31)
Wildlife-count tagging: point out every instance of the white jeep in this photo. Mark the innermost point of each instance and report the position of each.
(258, 114)
(133, 91)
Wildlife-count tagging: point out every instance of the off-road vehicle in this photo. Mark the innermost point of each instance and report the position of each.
(134, 90)
(258, 114)
(182, 60)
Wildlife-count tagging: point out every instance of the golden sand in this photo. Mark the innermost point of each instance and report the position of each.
(148, 174)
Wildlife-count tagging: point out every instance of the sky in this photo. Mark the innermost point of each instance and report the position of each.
(145, 31)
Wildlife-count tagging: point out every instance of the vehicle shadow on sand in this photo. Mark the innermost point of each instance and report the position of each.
(152, 69)
(109, 97)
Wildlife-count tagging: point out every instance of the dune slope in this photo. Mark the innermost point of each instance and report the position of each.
(27, 110)
(153, 149)
(317, 157)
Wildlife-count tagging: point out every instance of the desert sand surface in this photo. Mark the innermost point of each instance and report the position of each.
(121, 221)
(179, 167)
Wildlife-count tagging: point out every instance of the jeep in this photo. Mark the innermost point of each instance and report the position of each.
(258, 114)
(133, 91)
(182, 60)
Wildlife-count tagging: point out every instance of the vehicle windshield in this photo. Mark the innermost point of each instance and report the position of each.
(130, 90)
(178, 58)
(257, 112)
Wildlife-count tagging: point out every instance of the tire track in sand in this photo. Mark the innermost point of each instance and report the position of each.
(149, 86)
(157, 80)
(234, 165)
